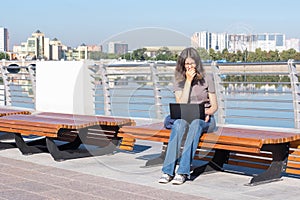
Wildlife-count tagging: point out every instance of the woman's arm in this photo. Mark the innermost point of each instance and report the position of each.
(213, 104)
(182, 96)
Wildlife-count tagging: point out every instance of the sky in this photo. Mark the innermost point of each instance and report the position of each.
(145, 23)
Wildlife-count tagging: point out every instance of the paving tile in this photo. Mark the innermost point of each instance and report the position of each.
(65, 194)
(4, 186)
(100, 181)
(165, 194)
(33, 186)
(21, 194)
(121, 177)
(10, 179)
(58, 172)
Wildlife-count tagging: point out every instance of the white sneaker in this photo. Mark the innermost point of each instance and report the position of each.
(179, 179)
(165, 178)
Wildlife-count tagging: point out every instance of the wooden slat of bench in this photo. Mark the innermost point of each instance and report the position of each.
(143, 137)
(267, 137)
(32, 119)
(255, 160)
(7, 111)
(250, 149)
(292, 171)
(72, 122)
(100, 120)
(247, 164)
(29, 132)
(17, 123)
(245, 157)
(293, 164)
(17, 128)
(231, 140)
(294, 158)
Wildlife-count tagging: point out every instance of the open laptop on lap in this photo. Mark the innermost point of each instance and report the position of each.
(186, 111)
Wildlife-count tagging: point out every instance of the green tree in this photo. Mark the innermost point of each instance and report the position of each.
(139, 54)
(212, 54)
(203, 54)
(273, 56)
(4, 55)
(288, 54)
(297, 56)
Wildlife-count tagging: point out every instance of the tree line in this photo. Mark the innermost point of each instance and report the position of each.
(165, 54)
(211, 55)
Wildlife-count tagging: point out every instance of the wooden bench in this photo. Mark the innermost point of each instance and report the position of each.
(74, 129)
(260, 149)
(6, 111)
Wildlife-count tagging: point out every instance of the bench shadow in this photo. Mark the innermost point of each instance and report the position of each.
(64, 151)
(204, 169)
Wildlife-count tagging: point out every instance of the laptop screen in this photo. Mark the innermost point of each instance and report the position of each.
(187, 111)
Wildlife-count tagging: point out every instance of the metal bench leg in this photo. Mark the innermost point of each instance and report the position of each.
(5, 144)
(56, 153)
(280, 154)
(60, 153)
(216, 164)
(71, 145)
(25, 148)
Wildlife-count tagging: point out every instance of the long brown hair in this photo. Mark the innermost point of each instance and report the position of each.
(180, 66)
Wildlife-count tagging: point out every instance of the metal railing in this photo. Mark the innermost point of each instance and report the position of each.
(269, 99)
(262, 94)
(18, 86)
(136, 91)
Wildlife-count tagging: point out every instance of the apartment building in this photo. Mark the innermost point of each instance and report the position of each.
(39, 47)
(207, 40)
(118, 48)
(242, 42)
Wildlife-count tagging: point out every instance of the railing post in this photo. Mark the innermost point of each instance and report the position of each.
(7, 95)
(106, 89)
(31, 71)
(156, 90)
(295, 91)
(219, 92)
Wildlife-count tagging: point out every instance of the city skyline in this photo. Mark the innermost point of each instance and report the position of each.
(97, 22)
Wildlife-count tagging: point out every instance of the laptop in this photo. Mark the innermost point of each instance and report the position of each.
(187, 111)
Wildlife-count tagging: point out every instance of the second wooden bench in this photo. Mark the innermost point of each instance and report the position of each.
(255, 148)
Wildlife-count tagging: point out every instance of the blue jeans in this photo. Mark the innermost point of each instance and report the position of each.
(194, 131)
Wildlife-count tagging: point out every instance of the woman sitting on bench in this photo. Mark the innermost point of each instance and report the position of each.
(192, 85)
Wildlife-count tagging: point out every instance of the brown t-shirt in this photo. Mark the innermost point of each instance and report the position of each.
(199, 90)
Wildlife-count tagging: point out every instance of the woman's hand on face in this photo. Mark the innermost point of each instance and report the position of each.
(190, 74)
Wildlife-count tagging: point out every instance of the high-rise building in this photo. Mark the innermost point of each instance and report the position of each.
(117, 48)
(207, 40)
(39, 47)
(4, 39)
(239, 42)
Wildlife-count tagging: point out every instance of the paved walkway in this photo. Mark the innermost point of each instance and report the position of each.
(120, 176)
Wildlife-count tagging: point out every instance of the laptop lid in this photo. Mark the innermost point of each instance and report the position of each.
(187, 111)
